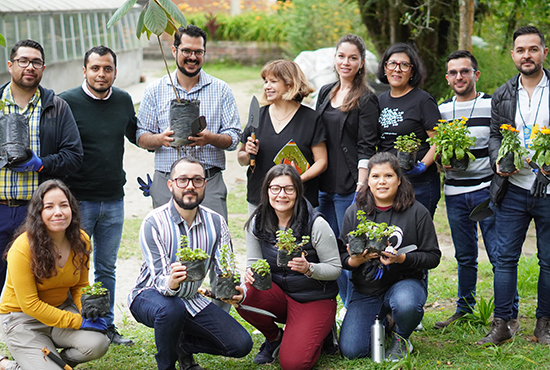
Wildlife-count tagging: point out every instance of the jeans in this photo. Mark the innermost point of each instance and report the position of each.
(404, 299)
(333, 206)
(10, 219)
(103, 222)
(428, 192)
(211, 331)
(513, 216)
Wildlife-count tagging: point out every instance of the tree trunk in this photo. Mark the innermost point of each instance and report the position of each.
(466, 24)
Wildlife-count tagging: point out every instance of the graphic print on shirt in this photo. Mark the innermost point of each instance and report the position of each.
(390, 117)
(396, 239)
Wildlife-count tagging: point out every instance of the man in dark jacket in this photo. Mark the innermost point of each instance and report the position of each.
(55, 147)
(524, 103)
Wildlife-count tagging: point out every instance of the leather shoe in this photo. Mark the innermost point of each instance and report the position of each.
(500, 332)
(187, 362)
(542, 330)
(514, 325)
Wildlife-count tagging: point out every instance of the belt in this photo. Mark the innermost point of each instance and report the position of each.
(209, 173)
(14, 202)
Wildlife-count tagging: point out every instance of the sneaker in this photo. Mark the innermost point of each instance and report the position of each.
(500, 332)
(449, 321)
(399, 348)
(419, 327)
(268, 351)
(542, 330)
(341, 314)
(116, 338)
(187, 362)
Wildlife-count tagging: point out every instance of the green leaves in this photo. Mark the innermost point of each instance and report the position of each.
(121, 12)
(2, 40)
(452, 139)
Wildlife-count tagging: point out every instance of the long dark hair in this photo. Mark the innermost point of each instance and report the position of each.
(404, 198)
(43, 256)
(418, 69)
(359, 85)
(266, 218)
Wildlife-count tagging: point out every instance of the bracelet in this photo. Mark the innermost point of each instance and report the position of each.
(359, 183)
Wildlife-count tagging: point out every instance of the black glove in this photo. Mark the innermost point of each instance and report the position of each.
(145, 187)
(538, 189)
(95, 306)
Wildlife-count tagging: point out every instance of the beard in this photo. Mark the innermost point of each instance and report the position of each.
(185, 72)
(529, 72)
(100, 91)
(26, 84)
(189, 204)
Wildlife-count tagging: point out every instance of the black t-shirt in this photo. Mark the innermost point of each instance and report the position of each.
(305, 128)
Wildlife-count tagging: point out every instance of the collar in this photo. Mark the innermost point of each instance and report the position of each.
(177, 219)
(204, 80)
(8, 97)
(91, 95)
(542, 83)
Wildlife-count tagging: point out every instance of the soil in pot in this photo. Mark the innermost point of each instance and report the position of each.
(460, 164)
(377, 246)
(262, 282)
(196, 270)
(357, 244)
(406, 160)
(283, 257)
(506, 164)
(14, 139)
(94, 306)
(225, 287)
(182, 115)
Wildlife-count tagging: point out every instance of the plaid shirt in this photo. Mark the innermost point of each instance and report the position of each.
(21, 185)
(217, 104)
(159, 239)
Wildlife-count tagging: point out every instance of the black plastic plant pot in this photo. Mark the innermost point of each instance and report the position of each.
(406, 160)
(95, 305)
(182, 115)
(546, 167)
(262, 282)
(196, 270)
(506, 164)
(460, 164)
(283, 257)
(377, 246)
(14, 139)
(357, 244)
(225, 287)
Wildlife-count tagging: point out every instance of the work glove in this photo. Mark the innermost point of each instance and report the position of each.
(33, 164)
(419, 168)
(145, 187)
(94, 306)
(538, 189)
(374, 269)
(98, 325)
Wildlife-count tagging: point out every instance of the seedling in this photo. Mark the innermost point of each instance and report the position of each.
(95, 289)
(287, 242)
(185, 253)
(261, 267)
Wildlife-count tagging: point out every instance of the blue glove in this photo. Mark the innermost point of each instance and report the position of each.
(33, 164)
(98, 325)
(419, 168)
(145, 187)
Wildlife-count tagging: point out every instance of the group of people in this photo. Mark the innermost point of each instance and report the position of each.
(348, 142)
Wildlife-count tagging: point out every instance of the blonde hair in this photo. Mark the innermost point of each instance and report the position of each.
(291, 75)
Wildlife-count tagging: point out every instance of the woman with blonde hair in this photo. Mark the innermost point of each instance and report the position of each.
(284, 119)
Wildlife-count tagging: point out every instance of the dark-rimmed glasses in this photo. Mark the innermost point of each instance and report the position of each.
(24, 63)
(403, 66)
(199, 53)
(276, 189)
(183, 182)
(463, 72)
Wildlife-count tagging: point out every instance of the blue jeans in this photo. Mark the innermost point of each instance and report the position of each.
(333, 206)
(404, 299)
(211, 331)
(513, 216)
(428, 192)
(10, 219)
(103, 222)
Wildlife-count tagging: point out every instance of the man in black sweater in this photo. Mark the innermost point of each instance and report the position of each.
(104, 115)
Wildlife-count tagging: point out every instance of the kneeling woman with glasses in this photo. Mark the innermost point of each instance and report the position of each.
(303, 295)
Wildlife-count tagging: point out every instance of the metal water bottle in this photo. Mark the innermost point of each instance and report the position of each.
(377, 335)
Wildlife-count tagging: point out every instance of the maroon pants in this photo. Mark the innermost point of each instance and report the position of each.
(307, 324)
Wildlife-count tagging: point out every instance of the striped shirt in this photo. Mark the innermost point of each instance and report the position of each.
(21, 185)
(217, 104)
(159, 239)
(479, 173)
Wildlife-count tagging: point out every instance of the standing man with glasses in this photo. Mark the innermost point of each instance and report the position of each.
(185, 322)
(104, 115)
(464, 190)
(523, 102)
(55, 146)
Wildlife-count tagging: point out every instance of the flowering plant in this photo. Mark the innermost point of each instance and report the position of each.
(452, 138)
(541, 146)
(407, 143)
(511, 144)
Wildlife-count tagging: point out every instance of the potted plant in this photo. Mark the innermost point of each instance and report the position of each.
(288, 249)
(511, 152)
(229, 277)
(95, 301)
(407, 146)
(377, 237)
(158, 17)
(14, 137)
(452, 140)
(541, 146)
(357, 239)
(262, 275)
(192, 259)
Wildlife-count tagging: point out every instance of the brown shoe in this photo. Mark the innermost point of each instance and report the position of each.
(542, 330)
(500, 332)
(449, 321)
(514, 326)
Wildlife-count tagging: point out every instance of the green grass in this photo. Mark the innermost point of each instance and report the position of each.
(232, 72)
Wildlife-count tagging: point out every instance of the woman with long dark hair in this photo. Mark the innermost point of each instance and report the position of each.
(389, 282)
(303, 293)
(48, 265)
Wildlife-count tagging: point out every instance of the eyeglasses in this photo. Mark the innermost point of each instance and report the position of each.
(403, 66)
(183, 182)
(199, 53)
(463, 72)
(24, 63)
(276, 189)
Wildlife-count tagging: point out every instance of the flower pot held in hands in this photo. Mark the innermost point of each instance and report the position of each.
(406, 160)
(460, 164)
(262, 282)
(182, 115)
(14, 139)
(377, 246)
(225, 287)
(94, 306)
(506, 164)
(196, 271)
(283, 257)
(357, 244)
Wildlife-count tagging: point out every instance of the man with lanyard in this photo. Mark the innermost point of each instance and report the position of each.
(104, 115)
(523, 102)
(54, 140)
(185, 322)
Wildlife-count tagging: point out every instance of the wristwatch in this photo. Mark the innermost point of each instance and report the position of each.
(310, 270)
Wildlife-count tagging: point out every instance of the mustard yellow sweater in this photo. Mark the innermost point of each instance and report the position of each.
(22, 293)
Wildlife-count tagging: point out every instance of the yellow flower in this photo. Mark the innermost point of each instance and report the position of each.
(258, 18)
(545, 131)
(442, 120)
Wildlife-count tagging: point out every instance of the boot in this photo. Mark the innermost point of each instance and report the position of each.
(542, 330)
(500, 332)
